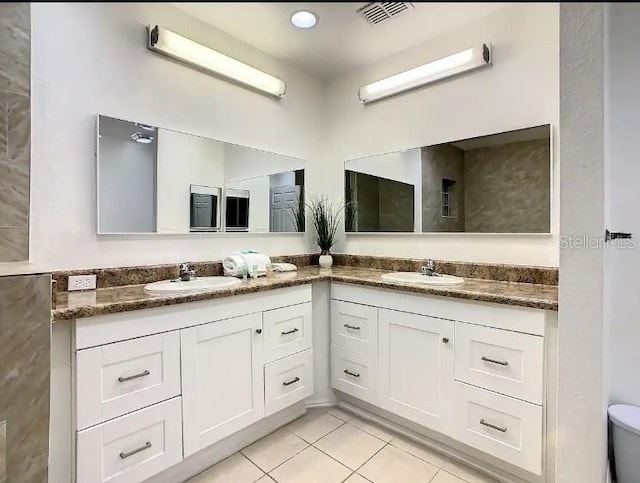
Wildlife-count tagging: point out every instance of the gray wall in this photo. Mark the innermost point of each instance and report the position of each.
(127, 173)
(507, 188)
(438, 162)
(15, 131)
(25, 332)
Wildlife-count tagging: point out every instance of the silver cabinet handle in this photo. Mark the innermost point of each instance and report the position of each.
(292, 331)
(347, 371)
(493, 361)
(147, 445)
(292, 381)
(135, 376)
(493, 426)
(352, 327)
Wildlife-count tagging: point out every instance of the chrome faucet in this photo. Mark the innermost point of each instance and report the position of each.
(186, 274)
(429, 268)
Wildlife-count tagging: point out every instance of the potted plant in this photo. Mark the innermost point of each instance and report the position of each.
(326, 219)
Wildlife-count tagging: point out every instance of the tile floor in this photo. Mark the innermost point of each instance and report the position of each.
(328, 446)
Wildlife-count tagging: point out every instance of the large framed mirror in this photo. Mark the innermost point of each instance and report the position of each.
(499, 183)
(155, 180)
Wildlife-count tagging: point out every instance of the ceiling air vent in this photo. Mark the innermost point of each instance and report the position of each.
(377, 12)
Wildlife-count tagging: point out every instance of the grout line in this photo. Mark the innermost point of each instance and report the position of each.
(301, 439)
(372, 456)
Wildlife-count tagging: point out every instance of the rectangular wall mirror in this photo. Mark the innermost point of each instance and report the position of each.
(155, 180)
(500, 183)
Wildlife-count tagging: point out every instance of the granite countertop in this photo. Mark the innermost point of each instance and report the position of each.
(133, 297)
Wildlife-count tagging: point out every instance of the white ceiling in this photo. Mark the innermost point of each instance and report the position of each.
(342, 39)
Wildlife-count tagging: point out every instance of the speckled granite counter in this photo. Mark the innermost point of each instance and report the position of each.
(133, 297)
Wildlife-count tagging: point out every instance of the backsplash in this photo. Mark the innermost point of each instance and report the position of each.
(484, 271)
(15, 131)
(119, 276)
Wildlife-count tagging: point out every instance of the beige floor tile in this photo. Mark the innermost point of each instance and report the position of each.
(266, 479)
(314, 425)
(310, 466)
(274, 449)
(444, 477)
(372, 429)
(392, 465)
(451, 466)
(466, 473)
(421, 452)
(336, 412)
(350, 446)
(356, 478)
(234, 469)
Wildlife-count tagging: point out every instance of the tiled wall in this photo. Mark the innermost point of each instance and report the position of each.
(15, 131)
(507, 188)
(440, 162)
(25, 333)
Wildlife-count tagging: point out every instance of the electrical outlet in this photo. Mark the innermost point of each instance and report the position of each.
(82, 282)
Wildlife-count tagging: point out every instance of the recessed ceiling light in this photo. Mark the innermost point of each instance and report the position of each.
(142, 138)
(304, 19)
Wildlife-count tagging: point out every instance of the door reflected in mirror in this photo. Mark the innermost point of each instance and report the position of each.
(499, 183)
(155, 180)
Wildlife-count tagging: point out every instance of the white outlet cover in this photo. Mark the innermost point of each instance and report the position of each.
(82, 282)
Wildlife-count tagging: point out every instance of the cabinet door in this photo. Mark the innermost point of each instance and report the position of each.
(222, 379)
(416, 368)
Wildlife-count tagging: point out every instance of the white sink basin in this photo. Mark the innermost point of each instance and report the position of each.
(199, 284)
(418, 278)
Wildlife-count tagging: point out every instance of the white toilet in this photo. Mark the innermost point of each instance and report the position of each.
(626, 441)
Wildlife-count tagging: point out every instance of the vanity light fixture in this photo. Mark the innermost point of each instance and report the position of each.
(142, 138)
(444, 68)
(173, 45)
(304, 19)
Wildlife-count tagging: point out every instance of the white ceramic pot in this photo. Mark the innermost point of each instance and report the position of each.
(325, 261)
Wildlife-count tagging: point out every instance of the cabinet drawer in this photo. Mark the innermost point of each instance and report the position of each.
(501, 426)
(506, 362)
(132, 448)
(287, 331)
(354, 373)
(116, 379)
(288, 381)
(354, 327)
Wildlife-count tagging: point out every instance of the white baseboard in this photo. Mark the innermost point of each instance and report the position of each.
(321, 404)
(207, 457)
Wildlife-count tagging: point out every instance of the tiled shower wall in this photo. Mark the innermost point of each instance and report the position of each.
(15, 130)
(25, 335)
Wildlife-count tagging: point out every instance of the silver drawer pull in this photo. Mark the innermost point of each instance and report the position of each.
(292, 381)
(351, 327)
(493, 426)
(292, 331)
(493, 361)
(147, 445)
(347, 371)
(135, 376)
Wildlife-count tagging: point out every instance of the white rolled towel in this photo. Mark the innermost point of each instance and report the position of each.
(284, 267)
(233, 264)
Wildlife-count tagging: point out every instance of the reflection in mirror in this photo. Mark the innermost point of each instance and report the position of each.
(499, 183)
(154, 180)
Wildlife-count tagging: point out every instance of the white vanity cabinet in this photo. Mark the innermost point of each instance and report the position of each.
(155, 386)
(222, 379)
(415, 377)
(474, 372)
